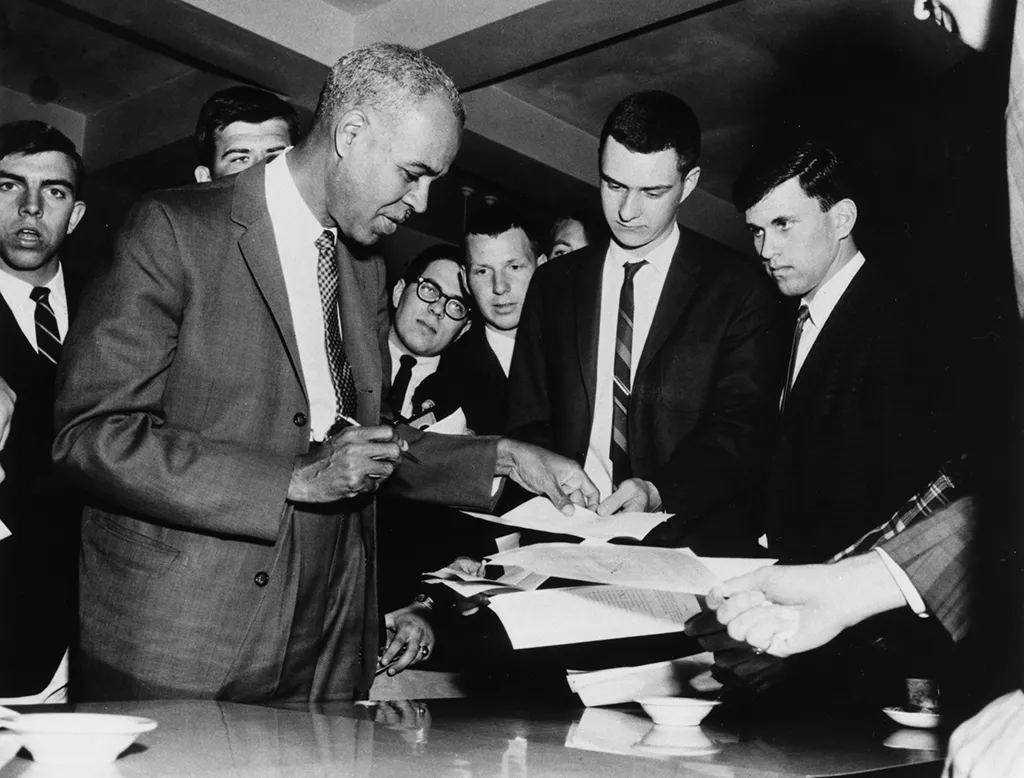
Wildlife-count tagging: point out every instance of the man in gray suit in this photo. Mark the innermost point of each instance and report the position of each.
(229, 539)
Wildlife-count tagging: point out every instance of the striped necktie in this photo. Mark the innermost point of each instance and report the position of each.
(1015, 156)
(327, 280)
(801, 319)
(47, 334)
(622, 385)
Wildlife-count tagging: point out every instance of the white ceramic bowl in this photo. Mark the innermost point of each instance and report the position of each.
(914, 740)
(77, 738)
(683, 741)
(677, 711)
(913, 718)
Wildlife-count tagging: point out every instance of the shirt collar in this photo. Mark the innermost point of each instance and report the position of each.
(660, 257)
(14, 288)
(286, 205)
(820, 305)
(398, 350)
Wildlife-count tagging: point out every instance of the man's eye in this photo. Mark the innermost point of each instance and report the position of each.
(409, 177)
(6, 186)
(58, 194)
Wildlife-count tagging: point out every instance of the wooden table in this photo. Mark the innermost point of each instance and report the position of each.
(467, 738)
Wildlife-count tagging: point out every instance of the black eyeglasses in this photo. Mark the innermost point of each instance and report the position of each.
(429, 292)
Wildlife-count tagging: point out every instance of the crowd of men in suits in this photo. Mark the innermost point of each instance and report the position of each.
(239, 384)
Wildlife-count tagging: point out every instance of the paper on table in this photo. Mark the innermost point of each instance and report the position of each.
(677, 677)
(665, 569)
(581, 614)
(514, 579)
(541, 514)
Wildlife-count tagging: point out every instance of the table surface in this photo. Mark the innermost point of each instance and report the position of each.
(468, 737)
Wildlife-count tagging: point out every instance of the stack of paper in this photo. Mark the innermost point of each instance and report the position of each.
(541, 514)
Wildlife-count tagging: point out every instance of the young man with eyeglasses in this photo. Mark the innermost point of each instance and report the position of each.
(431, 312)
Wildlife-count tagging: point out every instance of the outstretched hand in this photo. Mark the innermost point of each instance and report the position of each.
(540, 471)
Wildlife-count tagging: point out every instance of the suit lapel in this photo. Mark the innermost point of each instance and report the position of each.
(258, 246)
(357, 286)
(681, 282)
(587, 301)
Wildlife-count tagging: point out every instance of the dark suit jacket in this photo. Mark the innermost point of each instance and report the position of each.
(705, 392)
(181, 406)
(38, 563)
(469, 376)
(859, 432)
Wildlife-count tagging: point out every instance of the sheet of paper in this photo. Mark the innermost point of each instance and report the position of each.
(452, 424)
(4, 531)
(580, 614)
(724, 568)
(513, 579)
(664, 569)
(540, 514)
(674, 678)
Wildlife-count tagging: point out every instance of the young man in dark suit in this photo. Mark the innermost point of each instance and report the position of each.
(40, 205)
(858, 430)
(653, 358)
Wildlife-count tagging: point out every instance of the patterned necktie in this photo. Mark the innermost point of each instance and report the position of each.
(621, 385)
(401, 383)
(47, 334)
(1015, 156)
(801, 318)
(341, 371)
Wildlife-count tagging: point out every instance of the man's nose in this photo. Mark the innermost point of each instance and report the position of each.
(31, 203)
(500, 285)
(416, 198)
(629, 208)
(437, 308)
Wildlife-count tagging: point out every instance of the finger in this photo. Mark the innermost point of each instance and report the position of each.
(738, 604)
(613, 502)
(409, 656)
(380, 452)
(743, 583)
(558, 498)
(591, 494)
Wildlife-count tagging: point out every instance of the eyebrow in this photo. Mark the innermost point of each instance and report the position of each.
(655, 187)
(46, 182)
(435, 282)
(423, 167)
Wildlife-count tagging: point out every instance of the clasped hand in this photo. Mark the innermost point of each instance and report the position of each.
(353, 462)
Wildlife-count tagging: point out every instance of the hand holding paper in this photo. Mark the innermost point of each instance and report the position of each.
(540, 471)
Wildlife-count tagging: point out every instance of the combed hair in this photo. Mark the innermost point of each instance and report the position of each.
(819, 169)
(422, 261)
(497, 219)
(35, 137)
(648, 122)
(591, 228)
(239, 104)
(384, 76)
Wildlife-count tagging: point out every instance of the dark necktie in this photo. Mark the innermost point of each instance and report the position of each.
(801, 319)
(401, 383)
(47, 334)
(621, 387)
(341, 371)
(1015, 155)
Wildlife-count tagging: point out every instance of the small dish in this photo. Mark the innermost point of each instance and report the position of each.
(677, 711)
(74, 739)
(914, 740)
(682, 741)
(922, 719)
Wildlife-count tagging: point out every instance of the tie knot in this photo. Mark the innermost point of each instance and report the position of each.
(632, 268)
(407, 360)
(325, 242)
(39, 294)
(802, 316)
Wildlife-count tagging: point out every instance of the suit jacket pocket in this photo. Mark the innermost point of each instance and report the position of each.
(125, 547)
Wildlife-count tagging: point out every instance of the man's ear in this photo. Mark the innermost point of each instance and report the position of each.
(77, 212)
(464, 330)
(844, 215)
(542, 259)
(690, 183)
(348, 129)
(396, 293)
(202, 174)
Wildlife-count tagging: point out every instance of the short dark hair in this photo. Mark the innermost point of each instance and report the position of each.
(419, 264)
(35, 137)
(239, 104)
(648, 122)
(497, 219)
(591, 230)
(384, 76)
(821, 172)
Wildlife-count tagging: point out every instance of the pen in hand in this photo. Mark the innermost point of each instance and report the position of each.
(347, 421)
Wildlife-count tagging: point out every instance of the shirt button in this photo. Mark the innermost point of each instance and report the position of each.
(299, 419)
(261, 578)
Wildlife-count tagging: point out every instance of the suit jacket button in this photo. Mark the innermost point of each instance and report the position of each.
(299, 419)
(261, 578)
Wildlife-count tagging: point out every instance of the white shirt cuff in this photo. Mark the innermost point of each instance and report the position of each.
(903, 581)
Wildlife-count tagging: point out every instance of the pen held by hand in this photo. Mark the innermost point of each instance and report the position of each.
(347, 421)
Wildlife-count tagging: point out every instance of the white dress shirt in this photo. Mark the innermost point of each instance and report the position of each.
(502, 344)
(296, 231)
(16, 293)
(820, 306)
(647, 285)
(424, 367)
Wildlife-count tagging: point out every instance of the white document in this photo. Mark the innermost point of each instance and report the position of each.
(580, 614)
(541, 514)
(675, 678)
(641, 567)
(4, 531)
(452, 424)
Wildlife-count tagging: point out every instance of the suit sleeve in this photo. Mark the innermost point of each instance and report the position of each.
(722, 460)
(113, 435)
(934, 553)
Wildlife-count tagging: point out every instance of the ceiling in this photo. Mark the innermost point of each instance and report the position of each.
(125, 80)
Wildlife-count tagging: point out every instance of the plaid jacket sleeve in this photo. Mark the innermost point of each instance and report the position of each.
(934, 554)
